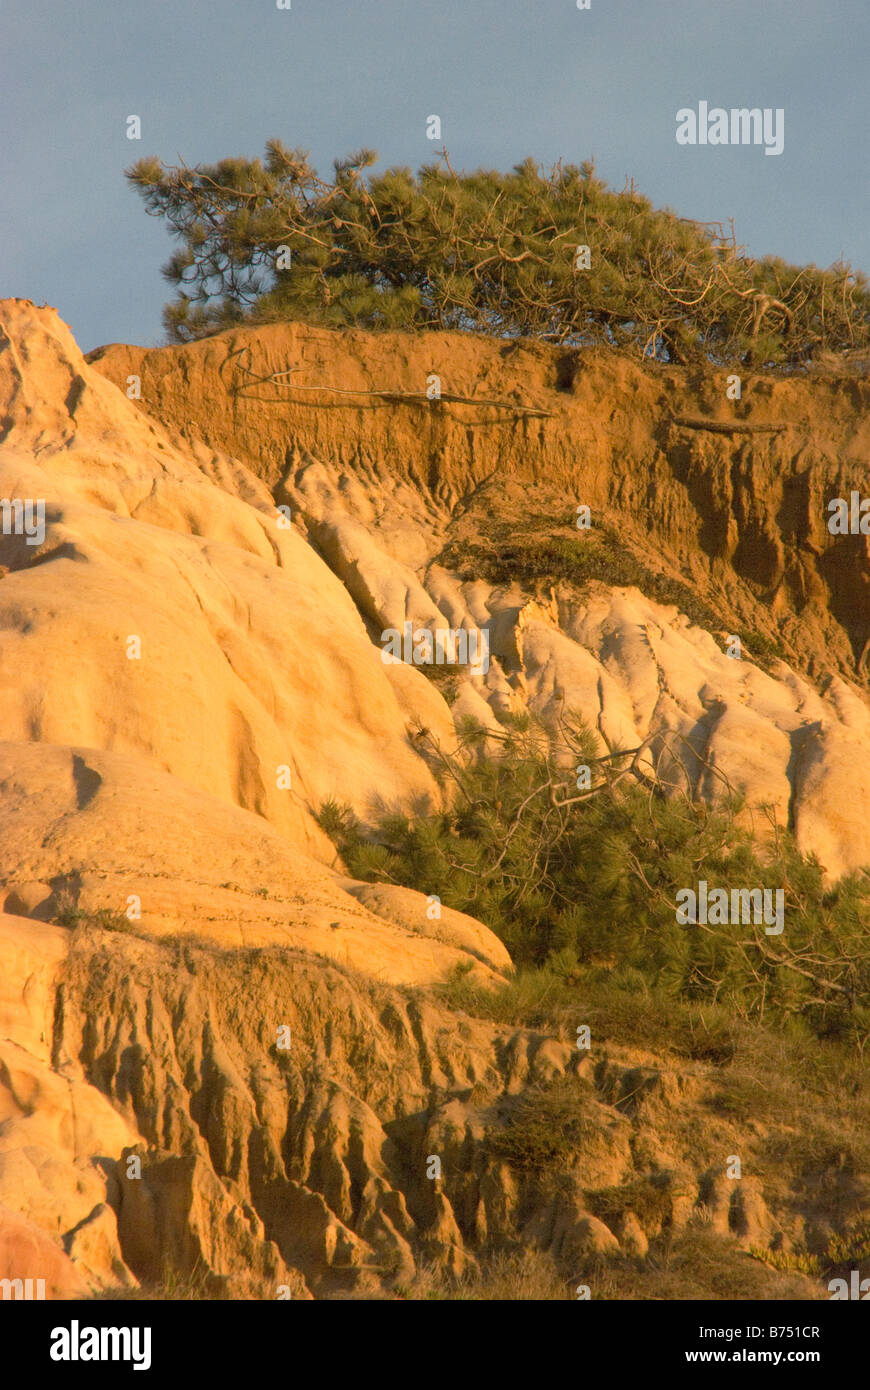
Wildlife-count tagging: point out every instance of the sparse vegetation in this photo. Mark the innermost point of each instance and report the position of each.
(101, 919)
(697, 1263)
(196, 1286)
(547, 1126)
(648, 1198)
(538, 553)
(692, 1264)
(527, 1276)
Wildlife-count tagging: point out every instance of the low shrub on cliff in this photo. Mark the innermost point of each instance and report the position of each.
(547, 1127)
(597, 876)
(537, 551)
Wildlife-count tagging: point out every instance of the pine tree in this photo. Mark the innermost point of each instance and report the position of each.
(486, 252)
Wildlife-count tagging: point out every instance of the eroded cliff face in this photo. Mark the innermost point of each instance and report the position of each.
(731, 493)
(267, 1122)
(185, 678)
(411, 501)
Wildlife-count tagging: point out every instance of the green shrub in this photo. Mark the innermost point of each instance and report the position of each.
(533, 553)
(850, 1247)
(592, 882)
(649, 1198)
(547, 1127)
(102, 918)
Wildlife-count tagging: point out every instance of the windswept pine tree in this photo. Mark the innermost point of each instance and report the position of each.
(554, 255)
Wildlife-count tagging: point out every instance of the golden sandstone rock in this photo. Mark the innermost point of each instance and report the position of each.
(184, 679)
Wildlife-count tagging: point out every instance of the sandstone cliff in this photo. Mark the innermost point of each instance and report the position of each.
(184, 679)
(407, 501)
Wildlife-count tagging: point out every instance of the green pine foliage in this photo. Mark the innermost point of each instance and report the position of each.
(588, 880)
(485, 251)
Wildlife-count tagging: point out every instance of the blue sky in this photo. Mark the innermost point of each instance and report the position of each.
(509, 78)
